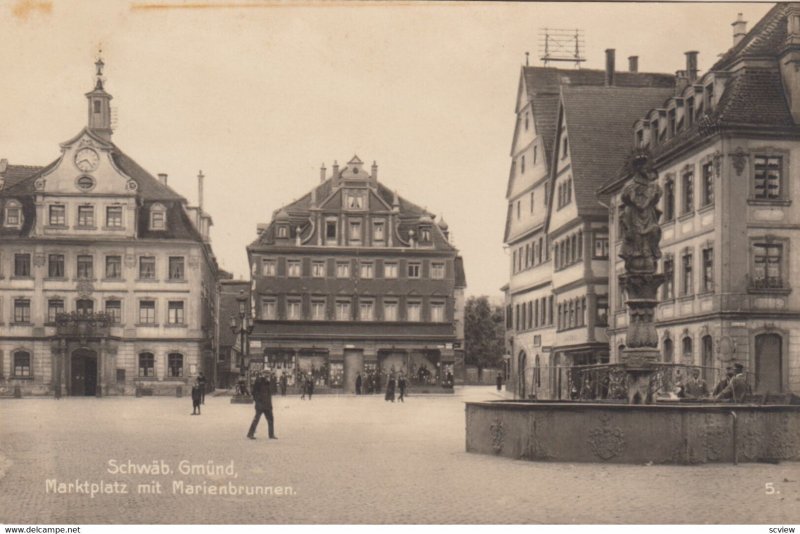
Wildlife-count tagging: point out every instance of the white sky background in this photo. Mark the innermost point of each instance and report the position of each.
(259, 96)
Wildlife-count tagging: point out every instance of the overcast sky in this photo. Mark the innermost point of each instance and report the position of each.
(259, 95)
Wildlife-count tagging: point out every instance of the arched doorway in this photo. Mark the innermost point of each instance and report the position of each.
(522, 363)
(83, 371)
(769, 363)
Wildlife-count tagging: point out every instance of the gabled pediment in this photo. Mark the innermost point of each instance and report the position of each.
(86, 167)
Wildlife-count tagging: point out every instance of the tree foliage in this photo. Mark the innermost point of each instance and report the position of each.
(483, 333)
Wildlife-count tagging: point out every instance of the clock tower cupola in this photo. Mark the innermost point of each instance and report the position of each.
(100, 105)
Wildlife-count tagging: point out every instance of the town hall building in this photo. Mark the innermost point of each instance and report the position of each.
(107, 277)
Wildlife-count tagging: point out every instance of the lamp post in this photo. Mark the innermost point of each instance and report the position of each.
(243, 327)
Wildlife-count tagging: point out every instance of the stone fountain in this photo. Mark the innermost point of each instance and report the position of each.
(641, 430)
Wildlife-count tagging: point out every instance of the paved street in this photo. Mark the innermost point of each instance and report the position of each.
(346, 459)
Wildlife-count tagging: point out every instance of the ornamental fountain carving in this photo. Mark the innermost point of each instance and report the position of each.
(641, 236)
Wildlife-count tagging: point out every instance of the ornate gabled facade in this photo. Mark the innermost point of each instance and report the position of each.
(107, 277)
(353, 278)
(556, 230)
(726, 151)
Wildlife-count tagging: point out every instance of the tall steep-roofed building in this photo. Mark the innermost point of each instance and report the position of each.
(726, 151)
(107, 277)
(569, 125)
(353, 278)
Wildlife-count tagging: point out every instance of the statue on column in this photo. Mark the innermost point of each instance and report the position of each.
(641, 232)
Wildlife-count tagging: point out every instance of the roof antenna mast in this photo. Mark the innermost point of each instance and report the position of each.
(562, 45)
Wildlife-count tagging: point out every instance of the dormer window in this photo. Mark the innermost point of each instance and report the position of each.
(354, 200)
(283, 231)
(158, 217)
(378, 230)
(97, 105)
(689, 111)
(709, 97)
(330, 230)
(425, 234)
(654, 132)
(672, 122)
(640, 137)
(13, 214)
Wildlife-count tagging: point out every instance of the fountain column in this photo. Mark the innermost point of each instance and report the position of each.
(641, 235)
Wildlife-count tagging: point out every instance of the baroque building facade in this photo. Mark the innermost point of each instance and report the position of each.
(726, 151)
(353, 278)
(556, 229)
(107, 277)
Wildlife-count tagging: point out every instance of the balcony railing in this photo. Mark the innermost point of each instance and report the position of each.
(83, 325)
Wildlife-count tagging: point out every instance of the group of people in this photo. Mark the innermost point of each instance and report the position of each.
(394, 386)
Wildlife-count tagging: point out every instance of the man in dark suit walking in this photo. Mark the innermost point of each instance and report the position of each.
(262, 395)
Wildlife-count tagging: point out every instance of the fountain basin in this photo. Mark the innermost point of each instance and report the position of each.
(679, 433)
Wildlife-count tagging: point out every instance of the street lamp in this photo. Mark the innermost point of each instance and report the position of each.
(243, 328)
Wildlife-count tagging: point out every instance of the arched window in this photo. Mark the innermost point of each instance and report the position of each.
(147, 365)
(175, 365)
(668, 350)
(22, 364)
(158, 217)
(688, 352)
(537, 377)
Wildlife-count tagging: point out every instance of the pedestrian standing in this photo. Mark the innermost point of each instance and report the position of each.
(303, 386)
(310, 385)
(390, 389)
(196, 397)
(262, 395)
(499, 381)
(201, 379)
(284, 383)
(358, 384)
(401, 385)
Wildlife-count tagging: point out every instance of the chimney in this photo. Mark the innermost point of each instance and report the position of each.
(374, 170)
(335, 179)
(739, 29)
(609, 67)
(200, 177)
(691, 65)
(633, 63)
(322, 173)
(162, 177)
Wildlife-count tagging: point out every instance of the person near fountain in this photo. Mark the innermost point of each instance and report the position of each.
(696, 387)
(737, 388)
(724, 381)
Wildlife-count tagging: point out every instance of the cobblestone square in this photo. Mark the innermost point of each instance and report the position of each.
(346, 459)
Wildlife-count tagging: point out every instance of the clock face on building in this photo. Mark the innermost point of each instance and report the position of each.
(86, 159)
